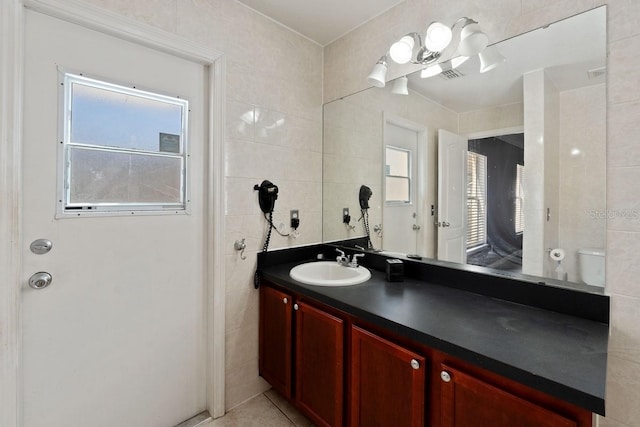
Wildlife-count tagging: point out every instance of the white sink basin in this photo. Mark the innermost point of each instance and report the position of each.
(329, 273)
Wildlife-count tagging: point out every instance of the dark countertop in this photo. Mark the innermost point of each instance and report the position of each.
(559, 354)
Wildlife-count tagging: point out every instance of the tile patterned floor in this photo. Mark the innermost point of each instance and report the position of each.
(266, 410)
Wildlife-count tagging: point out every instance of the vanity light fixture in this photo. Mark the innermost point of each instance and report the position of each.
(472, 39)
(379, 73)
(438, 37)
(490, 58)
(400, 86)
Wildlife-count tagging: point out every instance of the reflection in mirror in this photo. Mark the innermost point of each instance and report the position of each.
(503, 169)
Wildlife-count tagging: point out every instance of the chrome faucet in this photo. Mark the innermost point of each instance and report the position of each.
(343, 259)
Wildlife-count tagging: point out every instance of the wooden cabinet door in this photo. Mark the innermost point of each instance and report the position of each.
(275, 339)
(387, 383)
(319, 365)
(469, 402)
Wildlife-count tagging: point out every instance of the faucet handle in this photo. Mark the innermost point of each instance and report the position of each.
(340, 252)
(354, 260)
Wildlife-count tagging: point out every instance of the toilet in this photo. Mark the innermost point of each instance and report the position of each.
(591, 266)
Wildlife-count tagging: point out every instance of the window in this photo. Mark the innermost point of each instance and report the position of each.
(397, 175)
(476, 200)
(123, 149)
(519, 200)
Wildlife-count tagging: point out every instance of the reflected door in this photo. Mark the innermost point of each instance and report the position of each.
(452, 160)
(117, 338)
(401, 209)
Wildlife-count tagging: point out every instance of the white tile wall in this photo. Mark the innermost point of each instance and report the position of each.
(583, 173)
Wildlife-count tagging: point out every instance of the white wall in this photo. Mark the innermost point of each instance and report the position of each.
(507, 116)
(533, 181)
(582, 174)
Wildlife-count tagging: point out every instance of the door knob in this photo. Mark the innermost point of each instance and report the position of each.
(40, 280)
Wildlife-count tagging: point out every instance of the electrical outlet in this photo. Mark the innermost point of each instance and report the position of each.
(295, 219)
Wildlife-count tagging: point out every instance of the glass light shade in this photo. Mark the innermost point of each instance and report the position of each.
(402, 50)
(378, 74)
(458, 61)
(490, 58)
(472, 40)
(438, 37)
(431, 71)
(400, 86)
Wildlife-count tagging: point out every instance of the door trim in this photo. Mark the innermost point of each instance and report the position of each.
(11, 85)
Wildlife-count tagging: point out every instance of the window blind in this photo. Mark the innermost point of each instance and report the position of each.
(476, 200)
(519, 200)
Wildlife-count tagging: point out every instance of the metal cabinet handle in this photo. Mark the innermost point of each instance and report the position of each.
(415, 364)
(444, 375)
(416, 227)
(284, 300)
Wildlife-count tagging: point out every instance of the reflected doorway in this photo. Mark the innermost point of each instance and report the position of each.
(495, 229)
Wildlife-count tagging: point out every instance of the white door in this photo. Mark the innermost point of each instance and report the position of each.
(401, 214)
(452, 197)
(117, 339)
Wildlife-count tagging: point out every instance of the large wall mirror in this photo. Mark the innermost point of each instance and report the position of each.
(504, 170)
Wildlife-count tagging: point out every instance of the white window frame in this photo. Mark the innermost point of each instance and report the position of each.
(65, 209)
(408, 177)
(518, 221)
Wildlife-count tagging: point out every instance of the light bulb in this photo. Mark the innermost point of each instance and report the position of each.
(438, 37)
(402, 50)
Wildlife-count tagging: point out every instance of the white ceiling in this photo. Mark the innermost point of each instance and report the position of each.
(322, 21)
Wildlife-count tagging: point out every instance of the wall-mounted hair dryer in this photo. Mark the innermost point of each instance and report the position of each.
(365, 195)
(267, 195)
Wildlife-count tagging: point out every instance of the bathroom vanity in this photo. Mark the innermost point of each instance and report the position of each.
(428, 351)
